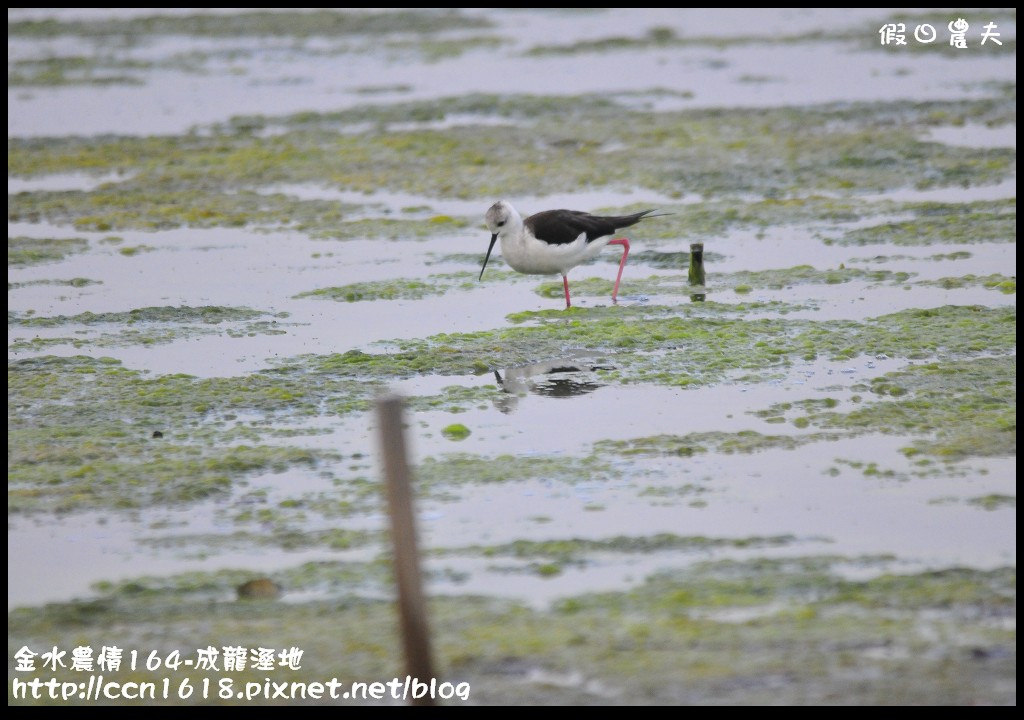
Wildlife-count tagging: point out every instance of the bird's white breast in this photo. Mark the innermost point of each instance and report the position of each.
(526, 254)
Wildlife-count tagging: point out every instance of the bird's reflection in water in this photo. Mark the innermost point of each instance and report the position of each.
(562, 377)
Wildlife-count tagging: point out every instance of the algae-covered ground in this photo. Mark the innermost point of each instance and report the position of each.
(229, 232)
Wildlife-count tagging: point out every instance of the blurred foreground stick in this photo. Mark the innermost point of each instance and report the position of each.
(411, 603)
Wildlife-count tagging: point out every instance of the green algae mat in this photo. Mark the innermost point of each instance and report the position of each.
(230, 232)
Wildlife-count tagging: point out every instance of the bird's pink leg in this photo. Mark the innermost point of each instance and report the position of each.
(565, 282)
(622, 263)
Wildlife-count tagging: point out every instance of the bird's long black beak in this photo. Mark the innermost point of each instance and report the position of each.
(487, 256)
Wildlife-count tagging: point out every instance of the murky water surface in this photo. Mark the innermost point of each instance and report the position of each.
(846, 495)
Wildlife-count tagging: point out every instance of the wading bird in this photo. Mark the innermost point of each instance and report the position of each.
(555, 241)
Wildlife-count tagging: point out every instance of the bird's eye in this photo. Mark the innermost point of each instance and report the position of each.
(501, 223)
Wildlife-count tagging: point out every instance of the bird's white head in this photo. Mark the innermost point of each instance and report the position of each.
(501, 218)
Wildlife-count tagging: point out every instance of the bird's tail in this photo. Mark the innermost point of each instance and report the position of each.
(621, 221)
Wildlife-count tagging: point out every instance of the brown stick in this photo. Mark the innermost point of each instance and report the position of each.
(411, 603)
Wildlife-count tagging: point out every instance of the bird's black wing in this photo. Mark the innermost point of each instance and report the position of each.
(560, 227)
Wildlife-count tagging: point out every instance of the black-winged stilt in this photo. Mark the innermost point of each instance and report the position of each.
(555, 241)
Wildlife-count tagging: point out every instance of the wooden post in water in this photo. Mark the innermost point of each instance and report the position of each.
(696, 276)
(412, 605)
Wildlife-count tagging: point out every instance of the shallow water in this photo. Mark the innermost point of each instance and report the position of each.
(298, 79)
(810, 491)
